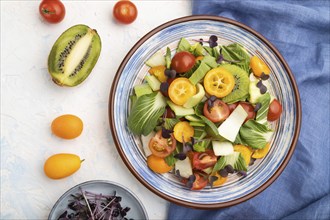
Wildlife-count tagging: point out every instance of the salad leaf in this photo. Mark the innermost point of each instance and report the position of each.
(254, 134)
(210, 124)
(197, 49)
(210, 61)
(209, 50)
(261, 116)
(201, 146)
(170, 160)
(145, 113)
(169, 123)
(199, 133)
(237, 52)
(235, 159)
(199, 73)
(168, 58)
(183, 45)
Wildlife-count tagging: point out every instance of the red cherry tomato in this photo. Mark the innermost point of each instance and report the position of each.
(218, 112)
(182, 62)
(232, 106)
(199, 183)
(203, 160)
(249, 110)
(247, 107)
(162, 147)
(274, 111)
(125, 11)
(52, 11)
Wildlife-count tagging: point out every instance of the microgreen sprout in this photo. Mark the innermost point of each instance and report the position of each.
(212, 41)
(191, 180)
(264, 76)
(212, 180)
(92, 206)
(257, 107)
(180, 156)
(166, 133)
(170, 73)
(262, 87)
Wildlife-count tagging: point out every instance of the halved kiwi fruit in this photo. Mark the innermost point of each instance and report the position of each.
(74, 55)
(241, 88)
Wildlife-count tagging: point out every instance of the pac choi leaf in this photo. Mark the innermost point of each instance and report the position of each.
(145, 113)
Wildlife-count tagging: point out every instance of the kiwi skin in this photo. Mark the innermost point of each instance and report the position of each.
(67, 70)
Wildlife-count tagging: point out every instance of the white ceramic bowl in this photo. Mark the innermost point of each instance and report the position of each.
(132, 71)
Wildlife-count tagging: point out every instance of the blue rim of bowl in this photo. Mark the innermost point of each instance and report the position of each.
(111, 108)
(95, 182)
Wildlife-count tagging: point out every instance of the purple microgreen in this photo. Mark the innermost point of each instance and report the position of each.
(213, 98)
(166, 133)
(180, 156)
(252, 161)
(210, 102)
(242, 173)
(192, 141)
(264, 76)
(177, 173)
(229, 168)
(223, 173)
(186, 148)
(213, 44)
(164, 88)
(170, 73)
(87, 203)
(191, 181)
(259, 84)
(212, 41)
(257, 107)
(263, 89)
(212, 180)
(213, 38)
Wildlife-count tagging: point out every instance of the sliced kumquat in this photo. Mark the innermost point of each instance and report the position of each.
(219, 82)
(245, 151)
(260, 153)
(159, 72)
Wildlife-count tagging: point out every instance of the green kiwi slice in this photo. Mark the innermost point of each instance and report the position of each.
(242, 81)
(74, 55)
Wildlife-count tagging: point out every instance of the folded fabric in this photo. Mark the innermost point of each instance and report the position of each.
(300, 30)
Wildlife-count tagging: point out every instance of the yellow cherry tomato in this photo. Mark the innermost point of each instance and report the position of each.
(260, 153)
(183, 131)
(245, 151)
(219, 82)
(220, 181)
(62, 165)
(158, 164)
(159, 72)
(67, 126)
(180, 90)
(258, 66)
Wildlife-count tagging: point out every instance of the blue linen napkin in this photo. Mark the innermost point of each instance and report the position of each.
(301, 32)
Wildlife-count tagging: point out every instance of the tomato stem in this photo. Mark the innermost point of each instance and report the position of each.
(46, 11)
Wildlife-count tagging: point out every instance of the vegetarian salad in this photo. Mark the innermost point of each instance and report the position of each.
(204, 111)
